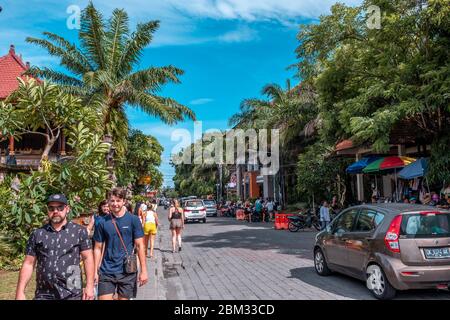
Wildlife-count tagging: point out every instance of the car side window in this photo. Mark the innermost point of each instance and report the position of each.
(345, 222)
(368, 220)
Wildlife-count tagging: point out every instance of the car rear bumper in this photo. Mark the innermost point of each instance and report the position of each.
(403, 277)
(195, 216)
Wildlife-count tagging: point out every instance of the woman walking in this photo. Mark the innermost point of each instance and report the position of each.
(176, 218)
(150, 218)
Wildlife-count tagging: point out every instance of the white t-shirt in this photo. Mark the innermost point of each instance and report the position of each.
(150, 217)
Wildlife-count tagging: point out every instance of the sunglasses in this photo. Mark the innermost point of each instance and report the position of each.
(53, 208)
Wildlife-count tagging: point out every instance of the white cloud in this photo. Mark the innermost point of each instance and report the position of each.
(242, 34)
(256, 10)
(201, 101)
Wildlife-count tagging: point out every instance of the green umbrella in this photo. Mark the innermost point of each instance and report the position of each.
(373, 167)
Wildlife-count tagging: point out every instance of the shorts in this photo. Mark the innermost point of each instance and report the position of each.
(124, 284)
(176, 223)
(77, 296)
(150, 228)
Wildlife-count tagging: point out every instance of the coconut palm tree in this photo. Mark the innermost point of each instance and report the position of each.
(101, 71)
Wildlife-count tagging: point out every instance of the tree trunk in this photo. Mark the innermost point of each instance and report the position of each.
(50, 143)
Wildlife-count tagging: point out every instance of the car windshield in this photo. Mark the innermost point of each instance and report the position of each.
(431, 225)
(194, 203)
(209, 202)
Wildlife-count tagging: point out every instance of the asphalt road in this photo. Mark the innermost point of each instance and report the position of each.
(230, 259)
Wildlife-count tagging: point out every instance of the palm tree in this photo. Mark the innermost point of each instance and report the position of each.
(101, 71)
(292, 110)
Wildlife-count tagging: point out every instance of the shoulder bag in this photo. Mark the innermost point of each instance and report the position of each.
(130, 262)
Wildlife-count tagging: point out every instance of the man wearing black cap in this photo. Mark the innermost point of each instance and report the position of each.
(57, 247)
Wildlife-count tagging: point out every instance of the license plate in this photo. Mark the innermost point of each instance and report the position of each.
(195, 211)
(437, 253)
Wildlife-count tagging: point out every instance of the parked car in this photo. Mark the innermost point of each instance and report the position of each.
(211, 207)
(194, 210)
(391, 246)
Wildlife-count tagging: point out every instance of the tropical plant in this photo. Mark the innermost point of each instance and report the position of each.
(102, 69)
(142, 158)
(42, 109)
(83, 177)
(373, 81)
(290, 110)
(320, 177)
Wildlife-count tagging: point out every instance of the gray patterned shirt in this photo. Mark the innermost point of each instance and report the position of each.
(58, 273)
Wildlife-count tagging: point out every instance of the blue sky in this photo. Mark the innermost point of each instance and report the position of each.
(229, 49)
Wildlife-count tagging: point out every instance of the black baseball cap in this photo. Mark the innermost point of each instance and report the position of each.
(59, 197)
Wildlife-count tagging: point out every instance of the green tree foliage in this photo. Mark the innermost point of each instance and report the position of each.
(199, 177)
(370, 81)
(82, 175)
(42, 109)
(102, 69)
(142, 158)
(321, 177)
(290, 110)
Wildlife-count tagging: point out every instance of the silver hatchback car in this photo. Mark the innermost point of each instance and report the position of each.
(390, 246)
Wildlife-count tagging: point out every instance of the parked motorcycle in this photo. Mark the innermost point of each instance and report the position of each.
(296, 223)
(304, 220)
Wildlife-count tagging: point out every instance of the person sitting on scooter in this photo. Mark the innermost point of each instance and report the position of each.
(258, 208)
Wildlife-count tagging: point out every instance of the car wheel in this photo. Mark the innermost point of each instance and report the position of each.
(204, 220)
(320, 264)
(378, 284)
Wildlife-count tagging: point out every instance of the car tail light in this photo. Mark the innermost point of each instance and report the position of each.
(393, 234)
(187, 210)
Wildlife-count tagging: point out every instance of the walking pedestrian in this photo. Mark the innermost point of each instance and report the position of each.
(270, 208)
(150, 219)
(324, 215)
(102, 211)
(121, 232)
(56, 248)
(176, 218)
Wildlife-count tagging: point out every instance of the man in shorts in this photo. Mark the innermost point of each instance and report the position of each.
(56, 248)
(110, 271)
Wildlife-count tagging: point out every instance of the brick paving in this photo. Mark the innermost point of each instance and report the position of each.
(235, 260)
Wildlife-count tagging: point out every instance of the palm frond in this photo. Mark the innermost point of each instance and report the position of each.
(67, 59)
(153, 78)
(92, 35)
(135, 44)
(57, 77)
(153, 105)
(72, 49)
(117, 31)
(273, 91)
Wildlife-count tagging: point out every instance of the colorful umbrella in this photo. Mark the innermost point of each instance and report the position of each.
(414, 170)
(387, 163)
(358, 166)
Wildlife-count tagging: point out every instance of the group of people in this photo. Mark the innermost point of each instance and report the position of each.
(263, 208)
(431, 199)
(110, 249)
